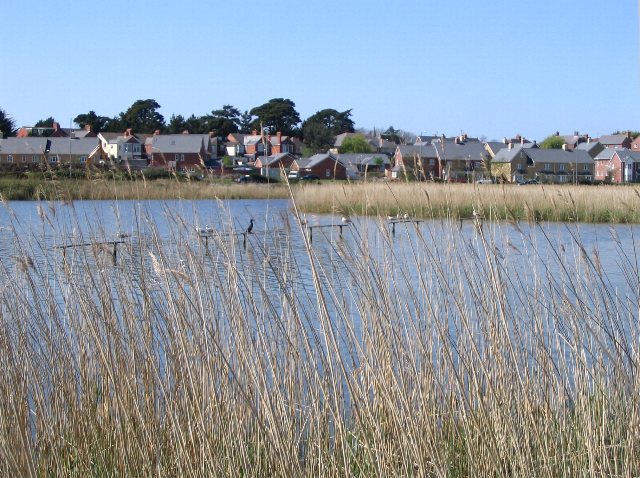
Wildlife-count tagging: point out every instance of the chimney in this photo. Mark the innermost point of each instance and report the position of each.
(212, 134)
(56, 126)
(576, 133)
(510, 146)
(564, 147)
(88, 128)
(629, 134)
(457, 139)
(521, 140)
(156, 132)
(254, 132)
(128, 132)
(279, 134)
(505, 141)
(186, 131)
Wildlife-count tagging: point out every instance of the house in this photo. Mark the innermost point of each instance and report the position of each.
(247, 147)
(122, 148)
(377, 143)
(572, 141)
(617, 165)
(546, 165)
(635, 144)
(32, 151)
(616, 141)
(53, 131)
(493, 147)
(275, 166)
(461, 160)
(363, 164)
(418, 161)
(593, 148)
(178, 152)
(323, 165)
(86, 132)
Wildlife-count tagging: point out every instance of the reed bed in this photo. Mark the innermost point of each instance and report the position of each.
(432, 353)
(108, 189)
(613, 204)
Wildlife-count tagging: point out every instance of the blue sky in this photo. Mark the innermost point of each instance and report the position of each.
(490, 69)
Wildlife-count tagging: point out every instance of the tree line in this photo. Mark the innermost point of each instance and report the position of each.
(318, 131)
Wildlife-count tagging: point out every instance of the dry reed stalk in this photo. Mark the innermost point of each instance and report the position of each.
(435, 352)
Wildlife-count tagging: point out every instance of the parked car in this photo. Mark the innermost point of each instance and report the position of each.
(256, 178)
(528, 181)
(310, 177)
(294, 175)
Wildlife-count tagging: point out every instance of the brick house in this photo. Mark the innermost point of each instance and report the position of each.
(616, 141)
(419, 161)
(617, 166)
(546, 165)
(33, 151)
(177, 152)
(324, 165)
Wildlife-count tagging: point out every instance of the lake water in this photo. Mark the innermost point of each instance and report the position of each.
(40, 228)
(435, 282)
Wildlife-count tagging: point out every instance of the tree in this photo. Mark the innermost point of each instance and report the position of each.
(320, 129)
(7, 124)
(143, 117)
(43, 127)
(278, 114)
(96, 122)
(317, 137)
(224, 121)
(176, 125)
(392, 134)
(552, 142)
(244, 124)
(356, 144)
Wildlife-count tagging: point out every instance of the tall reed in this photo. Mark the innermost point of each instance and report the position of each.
(615, 204)
(437, 352)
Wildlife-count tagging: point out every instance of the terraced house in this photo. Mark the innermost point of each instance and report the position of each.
(546, 165)
(34, 151)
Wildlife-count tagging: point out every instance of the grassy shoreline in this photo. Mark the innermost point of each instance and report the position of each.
(599, 204)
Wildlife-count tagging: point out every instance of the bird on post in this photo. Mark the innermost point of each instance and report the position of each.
(345, 220)
(250, 228)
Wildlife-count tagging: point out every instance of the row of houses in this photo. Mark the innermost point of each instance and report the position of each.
(614, 158)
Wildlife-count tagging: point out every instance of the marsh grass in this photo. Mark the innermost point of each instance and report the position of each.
(447, 356)
(613, 204)
(108, 189)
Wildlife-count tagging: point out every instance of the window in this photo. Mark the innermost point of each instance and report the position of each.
(432, 162)
(127, 148)
(53, 158)
(562, 179)
(327, 173)
(10, 158)
(181, 157)
(561, 167)
(177, 158)
(547, 166)
(35, 159)
(83, 159)
(585, 167)
(136, 148)
(24, 158)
